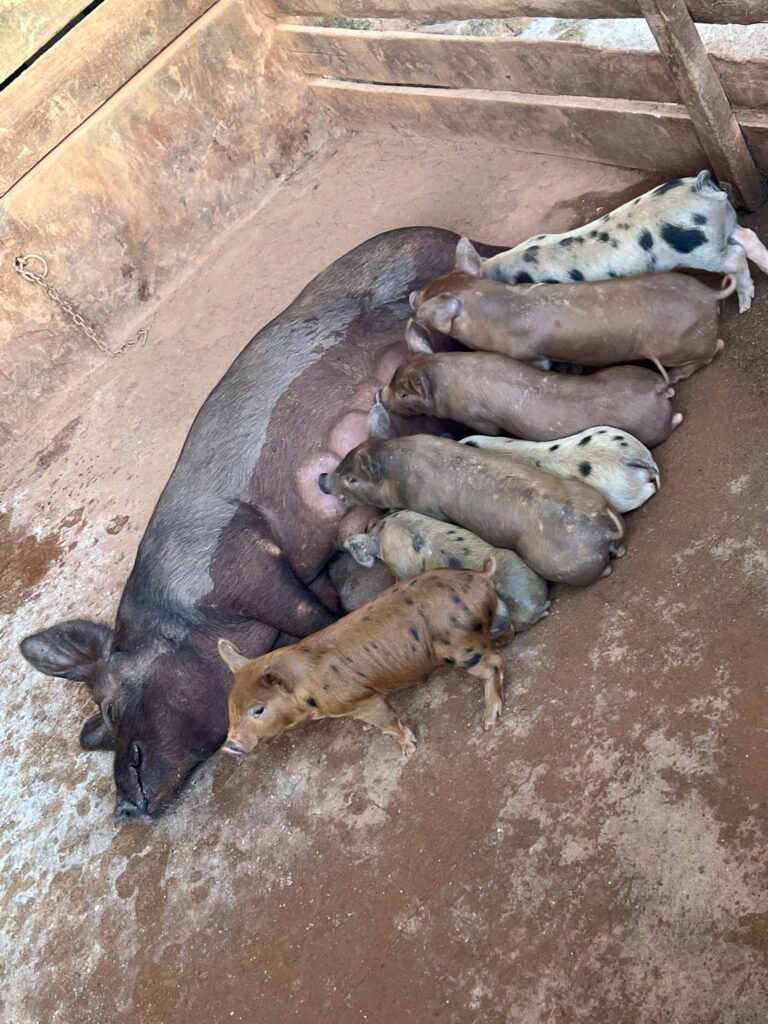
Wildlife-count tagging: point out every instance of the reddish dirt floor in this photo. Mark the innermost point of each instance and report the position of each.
(600, 856)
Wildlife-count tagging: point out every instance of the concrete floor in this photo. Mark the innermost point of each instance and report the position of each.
(598, 857)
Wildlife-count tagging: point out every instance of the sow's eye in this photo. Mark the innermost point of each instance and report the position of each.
(259, 711)
(352, 480)
(109, 712)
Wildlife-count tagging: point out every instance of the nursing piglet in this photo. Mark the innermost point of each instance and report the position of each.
(491, 393)
(408, 543)
(669, 319)
(445, 616)
(688, 222)
(355, 584)
(615, 464)
(562, 529)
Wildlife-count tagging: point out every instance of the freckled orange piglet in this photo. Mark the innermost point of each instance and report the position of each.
(451, 616)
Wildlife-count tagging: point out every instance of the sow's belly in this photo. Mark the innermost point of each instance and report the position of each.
(321, 417)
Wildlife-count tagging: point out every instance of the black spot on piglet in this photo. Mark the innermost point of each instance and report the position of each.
(312, 702)
(566, 241)
(682, 239)
(417, 542)
(554, 447)
(529, 256)
(585, 468)
(455, 563)
(576, 275)
(414, 633)
(667, 186)
(471, 444)
(585, 440)
(645, 238)
(523, 278)
(699, 218)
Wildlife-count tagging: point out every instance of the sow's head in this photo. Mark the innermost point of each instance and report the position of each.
(159, 731)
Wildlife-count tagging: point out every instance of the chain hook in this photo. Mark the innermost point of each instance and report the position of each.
(20, 265)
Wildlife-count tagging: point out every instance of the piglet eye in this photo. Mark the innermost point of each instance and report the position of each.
(109, 712)
(352, 480)
(256, 712)
(136, 755)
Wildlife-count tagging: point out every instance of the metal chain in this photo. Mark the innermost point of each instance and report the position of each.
(21, 266)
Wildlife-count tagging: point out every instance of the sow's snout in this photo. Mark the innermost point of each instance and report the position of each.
(323, 484)
(127, 809)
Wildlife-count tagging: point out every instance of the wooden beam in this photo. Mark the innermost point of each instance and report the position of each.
(540, 66)
(623, 133)
(25, 27)
(80, 73)
(739, 12)
(703, 94)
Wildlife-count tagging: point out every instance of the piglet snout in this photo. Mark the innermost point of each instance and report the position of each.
(322, 483)
(233, 747)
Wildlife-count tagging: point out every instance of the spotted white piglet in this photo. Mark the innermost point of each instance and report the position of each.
(612, 461)
(688, 222)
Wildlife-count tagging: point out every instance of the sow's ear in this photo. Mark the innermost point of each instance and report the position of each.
(363, 548)
(72, 650)
(96, 734)
(468, 258)
(231, 656)
(417, 339)
(378, 422)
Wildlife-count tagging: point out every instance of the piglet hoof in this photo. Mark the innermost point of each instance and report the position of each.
(366, 727)
(618, 550)
(408, 743)
(491, 716)
(677, 419)
(606, 571)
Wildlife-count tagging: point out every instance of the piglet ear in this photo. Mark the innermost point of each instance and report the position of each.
(442, 311)
(76, 649)
(378, 422)
(363, 548)
(417, 339)
(468, 258)
(273, 677)
(231, 656)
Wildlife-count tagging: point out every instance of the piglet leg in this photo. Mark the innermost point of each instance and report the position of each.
(375, 711)
(736, 263)
(752, 246)
(490, 670)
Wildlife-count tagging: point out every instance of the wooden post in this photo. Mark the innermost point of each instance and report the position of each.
(703, 94)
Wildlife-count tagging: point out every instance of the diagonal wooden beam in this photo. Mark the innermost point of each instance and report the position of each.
(704, 96)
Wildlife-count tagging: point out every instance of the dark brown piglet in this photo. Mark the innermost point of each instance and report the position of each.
(443, 616)
(355, 584)
(669, 319)
(562, 529)
(492, 394)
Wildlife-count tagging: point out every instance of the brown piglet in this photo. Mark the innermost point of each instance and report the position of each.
(443, 616)
(670, 319)
(491, 393)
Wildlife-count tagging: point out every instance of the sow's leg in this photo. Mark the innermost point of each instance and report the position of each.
(253, 577)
